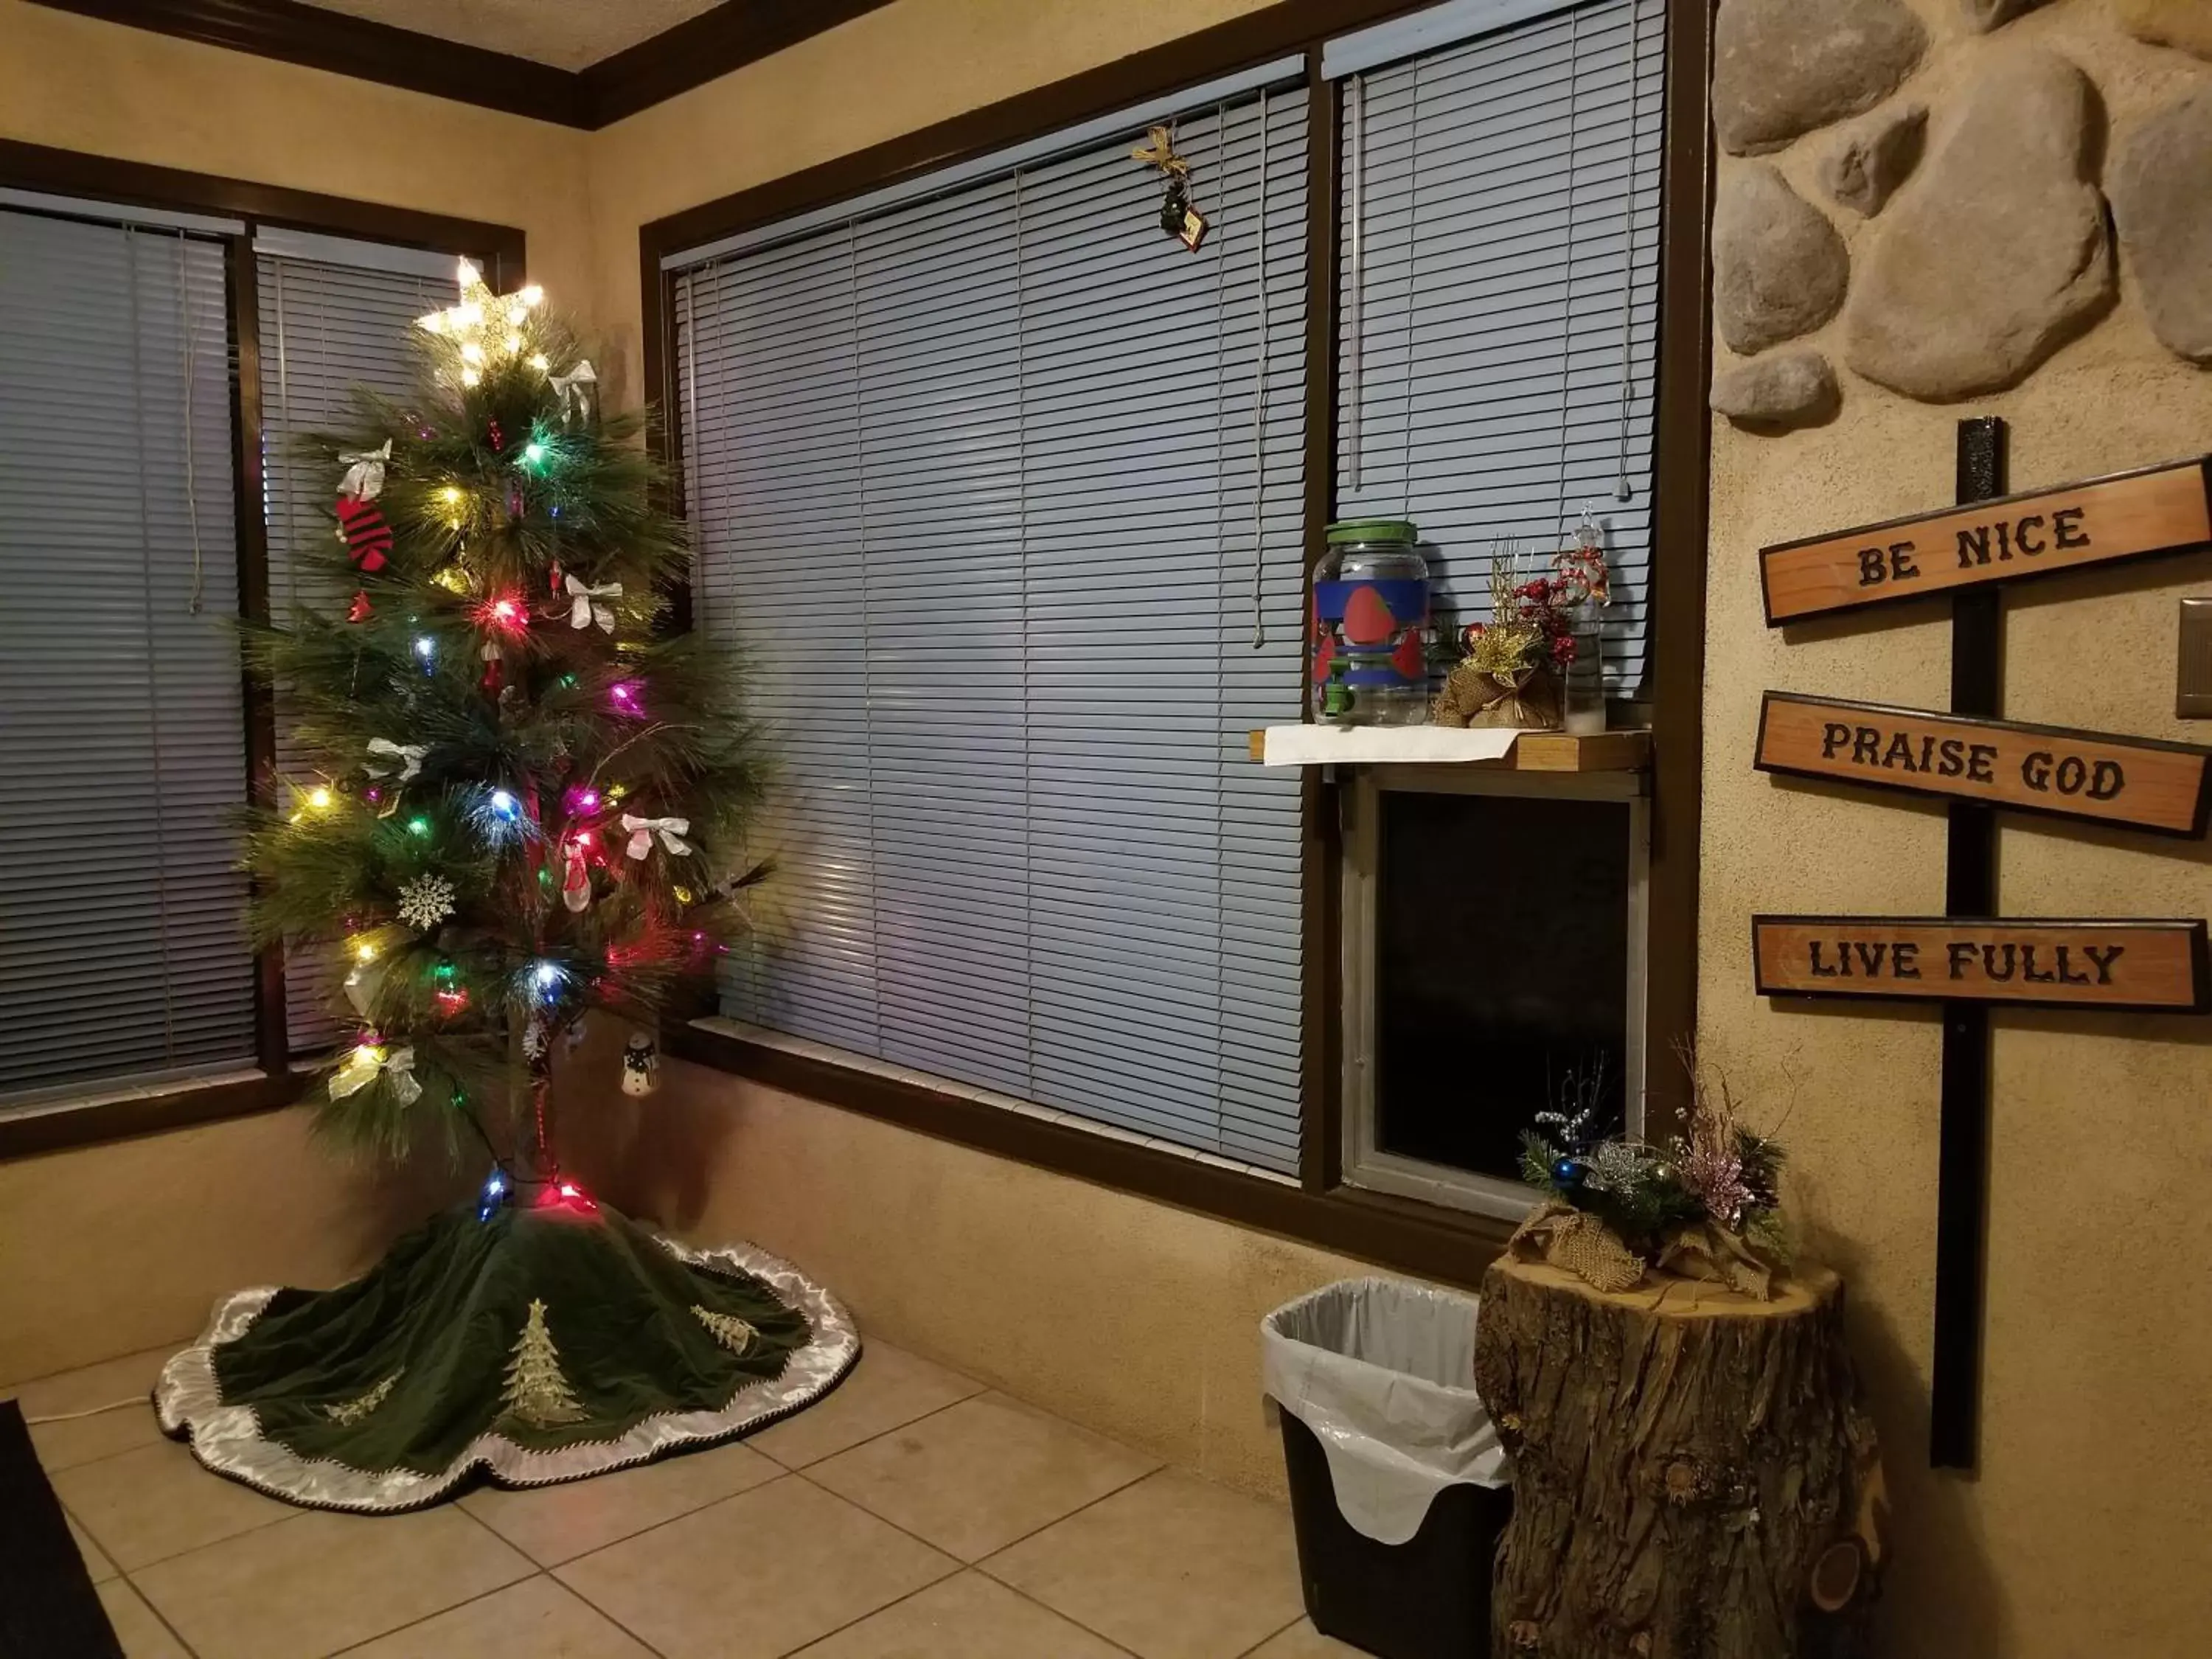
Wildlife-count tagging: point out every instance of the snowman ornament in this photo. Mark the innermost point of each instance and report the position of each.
(640, 1065)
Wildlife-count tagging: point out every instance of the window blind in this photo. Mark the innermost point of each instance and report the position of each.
(123, 953)
(999, 491)
(333, 317)
(1499, 264)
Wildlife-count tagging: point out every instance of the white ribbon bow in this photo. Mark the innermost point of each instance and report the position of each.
(585, 609)
(410, 755)
(576, 389)
(368, 1058)
(672, 831)
(364, 473)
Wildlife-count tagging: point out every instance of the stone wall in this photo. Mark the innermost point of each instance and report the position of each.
(2082, 1533)
(1939, 211)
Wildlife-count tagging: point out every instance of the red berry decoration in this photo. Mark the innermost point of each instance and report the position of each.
(361, 609)
(363, 529)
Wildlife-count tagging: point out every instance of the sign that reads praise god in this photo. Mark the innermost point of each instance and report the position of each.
(2136, 781)
(2158, 511)
(2149, 966)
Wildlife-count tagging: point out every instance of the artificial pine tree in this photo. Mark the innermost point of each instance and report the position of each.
(527, 805)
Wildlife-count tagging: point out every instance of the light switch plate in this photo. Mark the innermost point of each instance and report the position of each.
(2193, 691)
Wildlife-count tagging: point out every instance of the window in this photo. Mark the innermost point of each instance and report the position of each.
(334, 315)
(123, 952)
(1496, 363)
(1499, 248)
(999, 489)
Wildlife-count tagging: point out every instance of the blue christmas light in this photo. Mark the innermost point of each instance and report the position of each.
(504, 803)
(547, 978)
(425, 647)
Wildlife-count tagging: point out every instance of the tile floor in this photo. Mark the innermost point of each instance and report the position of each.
(913, 1514)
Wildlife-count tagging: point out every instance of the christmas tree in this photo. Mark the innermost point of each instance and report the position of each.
(528, 792)
(527, 804)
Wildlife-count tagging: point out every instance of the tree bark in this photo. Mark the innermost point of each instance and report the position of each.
(1692, 1476)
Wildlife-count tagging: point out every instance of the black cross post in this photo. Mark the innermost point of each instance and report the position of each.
(1971, 890)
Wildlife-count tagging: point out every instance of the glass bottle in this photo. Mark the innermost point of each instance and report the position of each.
(1368, 652)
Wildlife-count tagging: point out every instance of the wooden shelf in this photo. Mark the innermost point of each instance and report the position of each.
(1438, 745)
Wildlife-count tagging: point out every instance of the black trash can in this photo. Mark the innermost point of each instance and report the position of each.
(1381, 1372)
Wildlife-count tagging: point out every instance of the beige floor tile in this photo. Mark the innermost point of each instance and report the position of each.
(888, 1389)
(1173, 1568)
(143, 1506)
(81, 1439)
(96, 1562)
(552, 1525)
(753, 1576)
(977, 1476)
(321, 1582)
(967, 1617)
(137, 1627)
(536, 1619)
(1303, 1641)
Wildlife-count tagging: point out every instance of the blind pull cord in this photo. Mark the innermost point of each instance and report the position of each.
(1260, 405)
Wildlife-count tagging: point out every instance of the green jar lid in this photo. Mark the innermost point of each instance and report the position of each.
(1372, 529)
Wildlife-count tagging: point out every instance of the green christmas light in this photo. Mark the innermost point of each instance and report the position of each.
(418, 826)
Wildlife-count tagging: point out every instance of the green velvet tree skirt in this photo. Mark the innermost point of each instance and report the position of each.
(532, 1345)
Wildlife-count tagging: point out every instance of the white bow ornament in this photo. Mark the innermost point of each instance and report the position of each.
(576, 390)
(367, 1060)
(410, 755)
(672, 831)
(585, 609)
(364, 473)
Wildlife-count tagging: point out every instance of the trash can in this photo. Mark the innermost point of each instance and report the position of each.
(1399, 1485)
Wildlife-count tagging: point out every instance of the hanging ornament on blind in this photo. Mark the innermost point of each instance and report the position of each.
(1178, 218)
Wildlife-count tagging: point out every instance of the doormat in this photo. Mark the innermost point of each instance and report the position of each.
(48, 1609)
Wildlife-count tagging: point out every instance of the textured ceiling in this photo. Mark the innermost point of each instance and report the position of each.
(571, 34)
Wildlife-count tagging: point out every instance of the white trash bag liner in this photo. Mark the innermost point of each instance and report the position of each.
(1382, 1372)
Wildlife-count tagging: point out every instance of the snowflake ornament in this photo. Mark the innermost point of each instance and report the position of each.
(425, 901)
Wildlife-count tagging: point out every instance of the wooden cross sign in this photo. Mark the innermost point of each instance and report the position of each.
(2160, 510)
(2137, 782)
(2152, 967)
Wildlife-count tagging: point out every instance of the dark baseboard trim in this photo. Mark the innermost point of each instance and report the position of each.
(1410, 1238)
(692, 53)
(64, 1126)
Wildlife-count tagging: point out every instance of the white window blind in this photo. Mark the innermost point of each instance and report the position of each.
(1500, 308)
(123, 953)
(332, 317)
(999, 491)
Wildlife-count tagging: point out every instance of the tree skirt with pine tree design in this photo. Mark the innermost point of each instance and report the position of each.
(535, 1345)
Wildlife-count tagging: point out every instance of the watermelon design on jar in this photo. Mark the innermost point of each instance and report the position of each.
(1370, 618)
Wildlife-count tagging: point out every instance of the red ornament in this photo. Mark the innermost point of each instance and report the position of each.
(359, 610)
(362, 528)
(498, 437)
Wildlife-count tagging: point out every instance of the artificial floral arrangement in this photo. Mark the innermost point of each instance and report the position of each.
(1513, 668)
(1706, 1205)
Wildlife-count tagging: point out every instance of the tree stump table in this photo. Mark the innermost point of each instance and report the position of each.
(1692, 1476)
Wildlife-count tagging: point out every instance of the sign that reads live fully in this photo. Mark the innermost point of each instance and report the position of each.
(2135, 781)
(2146, 966)
(2162, 510)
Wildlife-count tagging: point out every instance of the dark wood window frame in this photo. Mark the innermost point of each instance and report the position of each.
(1320, 1210)
(103, 179)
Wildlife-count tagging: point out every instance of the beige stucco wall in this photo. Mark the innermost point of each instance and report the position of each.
(1137, 1318)
(108, 1249)
(76, 83)
(2089, 1528)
